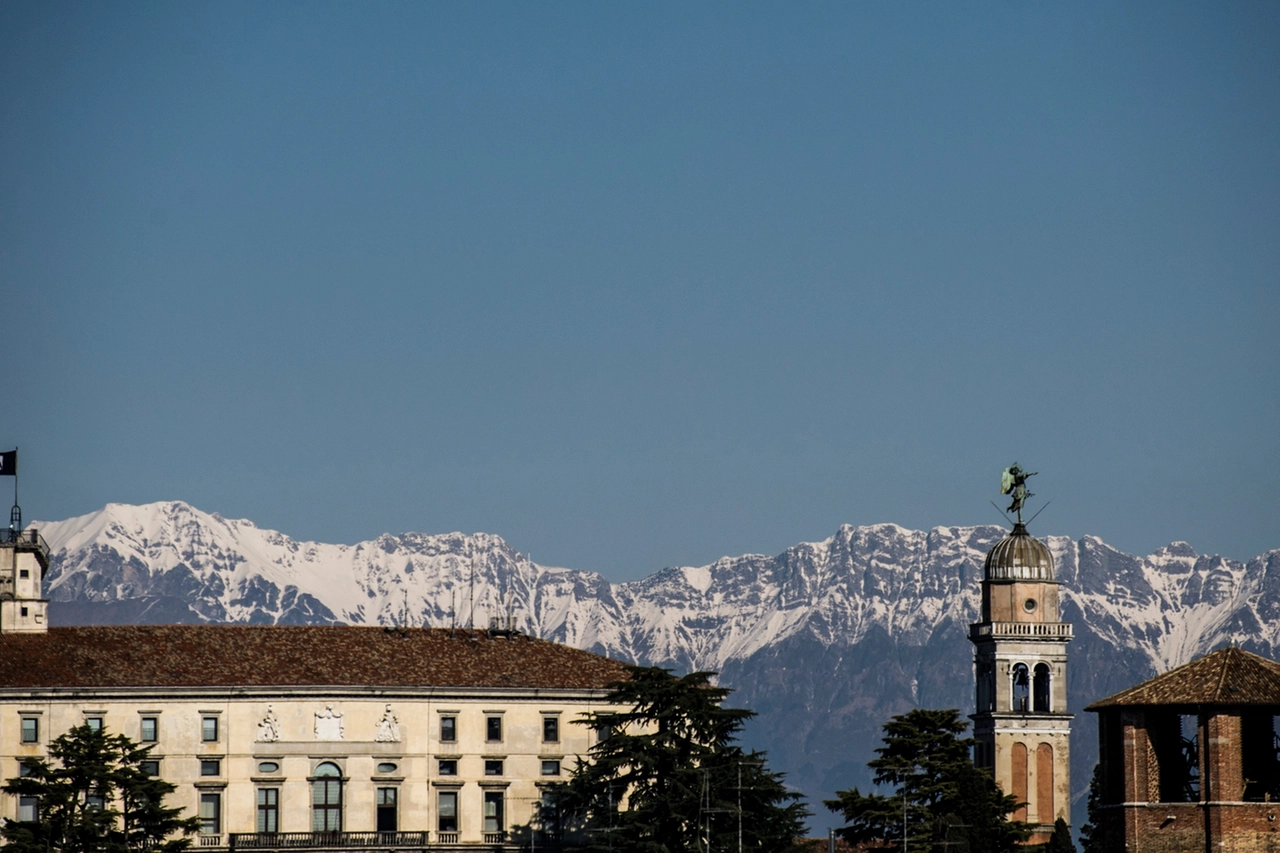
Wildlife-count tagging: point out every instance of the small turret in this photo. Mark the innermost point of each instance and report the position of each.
(24, 558)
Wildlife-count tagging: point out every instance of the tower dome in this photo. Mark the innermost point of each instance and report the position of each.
(1019, 557)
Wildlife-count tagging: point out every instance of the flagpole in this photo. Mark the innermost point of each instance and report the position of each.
(15, 514)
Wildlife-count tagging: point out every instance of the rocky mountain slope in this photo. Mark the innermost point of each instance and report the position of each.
(825, 640)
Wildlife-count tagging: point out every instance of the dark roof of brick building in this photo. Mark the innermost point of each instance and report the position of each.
(297, 656)
(1224, 677)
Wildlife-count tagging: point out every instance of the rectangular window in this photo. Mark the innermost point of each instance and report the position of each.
(386, 810)
(95, 801)
(493, 729)
(493, 767)
(210, 814)
(551, 768)
(268, 810)
(30, 729)
(210, 767)
(493, 811)
(94, 723)
(24, 573)
(150, 730)
(151, 767)
(448, 729)
(448, 811)
(209, 729)
(28, 809)
(550, 729)
(448, 767)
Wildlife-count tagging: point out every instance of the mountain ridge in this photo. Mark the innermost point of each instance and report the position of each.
(825, 640)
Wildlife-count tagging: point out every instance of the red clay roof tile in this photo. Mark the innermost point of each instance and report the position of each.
(1224, 677)
(277, 655)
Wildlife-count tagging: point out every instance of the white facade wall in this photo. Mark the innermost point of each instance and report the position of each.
(298, 751)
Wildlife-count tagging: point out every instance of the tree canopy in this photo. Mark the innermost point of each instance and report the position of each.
(97, 796)
(666, 775)
(939, 796)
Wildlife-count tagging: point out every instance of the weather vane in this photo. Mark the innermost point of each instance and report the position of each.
(1014, 482)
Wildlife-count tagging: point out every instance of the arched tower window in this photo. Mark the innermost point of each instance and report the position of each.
(1021, 688)
(1040, 689)
(326, 799)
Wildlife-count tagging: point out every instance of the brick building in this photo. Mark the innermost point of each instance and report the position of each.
(1188, 760)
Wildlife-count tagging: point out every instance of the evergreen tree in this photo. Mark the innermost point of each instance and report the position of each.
(1092, 836)
(78, 799)
(941, 799)
(666, 776)
(1061, 841)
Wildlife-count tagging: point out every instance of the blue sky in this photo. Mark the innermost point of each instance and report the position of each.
(635, 285)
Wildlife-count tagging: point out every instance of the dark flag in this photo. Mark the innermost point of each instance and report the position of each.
(9, 463)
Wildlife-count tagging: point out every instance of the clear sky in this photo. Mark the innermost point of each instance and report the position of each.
(635, 285)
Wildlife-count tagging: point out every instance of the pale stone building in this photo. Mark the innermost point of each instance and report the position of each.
(1021, 724)
(305, 736)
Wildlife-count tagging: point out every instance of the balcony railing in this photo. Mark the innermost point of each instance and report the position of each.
(446, 838)
(495, 837)
(1052, 630)
(25, 540)
(210, 840)
(330, 840)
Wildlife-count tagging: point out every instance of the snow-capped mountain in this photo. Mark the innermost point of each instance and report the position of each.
(825, 640)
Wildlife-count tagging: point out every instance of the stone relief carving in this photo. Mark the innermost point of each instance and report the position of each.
(269, 728)
(329, 724)
(388, 728)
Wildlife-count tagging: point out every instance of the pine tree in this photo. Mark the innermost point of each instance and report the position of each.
(1061, 841)
(78, 798)
(666, 776)
(1092, 836)
(940, 796)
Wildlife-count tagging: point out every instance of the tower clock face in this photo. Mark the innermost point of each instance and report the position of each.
(1029, 605)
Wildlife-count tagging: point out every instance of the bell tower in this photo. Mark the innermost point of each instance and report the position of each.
(1021, 723)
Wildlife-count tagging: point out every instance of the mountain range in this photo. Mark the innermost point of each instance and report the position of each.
(825, 641)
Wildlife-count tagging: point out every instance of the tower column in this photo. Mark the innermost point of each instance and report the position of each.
(1021, 724)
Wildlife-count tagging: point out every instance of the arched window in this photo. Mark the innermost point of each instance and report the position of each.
(1040, 690)
(326, 799)
(1021, 687)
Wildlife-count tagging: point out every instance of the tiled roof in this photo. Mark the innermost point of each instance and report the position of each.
(1224, 677)
(267, 656)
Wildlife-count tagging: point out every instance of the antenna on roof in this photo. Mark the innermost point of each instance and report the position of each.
(471, 616)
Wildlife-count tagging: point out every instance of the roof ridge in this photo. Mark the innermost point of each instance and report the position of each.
(1222, 677)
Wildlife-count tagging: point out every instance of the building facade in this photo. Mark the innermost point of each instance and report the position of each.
(1188, 760)
(1021, 726)
(306, 736)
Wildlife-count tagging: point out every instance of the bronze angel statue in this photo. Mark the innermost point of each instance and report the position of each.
(1014, 482)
